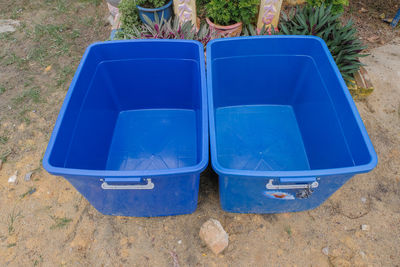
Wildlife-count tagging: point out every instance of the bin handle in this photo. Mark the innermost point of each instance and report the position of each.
(270, 185)
(148, 186)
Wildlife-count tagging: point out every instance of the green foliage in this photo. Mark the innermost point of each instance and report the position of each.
(60, 222)
(151, 3)
(337, 5)
(130, 14)
(227, 12)
(171, 29)
(341, 39)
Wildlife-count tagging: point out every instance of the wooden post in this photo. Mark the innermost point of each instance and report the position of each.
(269, 13)
(185, 10)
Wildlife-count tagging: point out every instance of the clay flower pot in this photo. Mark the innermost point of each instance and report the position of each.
(233, 30)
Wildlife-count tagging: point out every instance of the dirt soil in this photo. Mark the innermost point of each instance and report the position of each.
(46, 222)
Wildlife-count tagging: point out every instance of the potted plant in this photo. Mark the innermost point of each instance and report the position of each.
(163, 9)
(168, 29)
(228, 16)
(133, 12)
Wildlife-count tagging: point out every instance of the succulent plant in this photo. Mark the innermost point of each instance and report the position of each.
(341, 40)
(168, 29)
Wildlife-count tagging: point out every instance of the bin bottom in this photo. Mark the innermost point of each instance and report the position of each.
(153, 139)
(259, 137)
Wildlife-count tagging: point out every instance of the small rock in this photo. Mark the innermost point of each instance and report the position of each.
(8, 25)
(214, 235)
(179, 242)
(13, 178)
(362, 253)
(365, 227)
(363, 200)
(28, 176)
(325, 251)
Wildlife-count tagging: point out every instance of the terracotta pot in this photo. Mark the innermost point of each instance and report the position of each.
(233, 30)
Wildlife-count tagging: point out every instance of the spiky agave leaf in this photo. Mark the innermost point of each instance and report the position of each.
(341, 40)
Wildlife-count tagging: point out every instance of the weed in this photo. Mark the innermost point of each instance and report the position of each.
(6, 35)
(38, 54)
(3, 140)
(61, 6)
(53, 34)
(5, 155)
(75, 34)
(2, 89)
(11, 245)
(60, 222)
(64, 76)
(14, 59)
(288, 230)
(95, 2)
(36, 262)
(16, 12)
(28, 81)
(32, 94)
(88, 21)
(22, 116)
(29, 192)
(12, 218)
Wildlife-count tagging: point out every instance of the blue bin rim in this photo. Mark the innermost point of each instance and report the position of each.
(61, 171)
(301, 173)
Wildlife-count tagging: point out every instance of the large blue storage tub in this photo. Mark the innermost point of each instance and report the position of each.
(132, 134)
(285, 133)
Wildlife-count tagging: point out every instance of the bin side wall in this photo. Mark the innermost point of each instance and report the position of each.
(171, 195)
(250, 195)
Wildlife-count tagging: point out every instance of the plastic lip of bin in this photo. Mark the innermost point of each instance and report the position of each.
(120, 174)
(300, 173)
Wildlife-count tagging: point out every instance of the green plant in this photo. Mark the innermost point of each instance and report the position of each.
(288, 230)
(31, 94)
(3, 139)
(337, 5)
(227, 12)
(12, 217)
(60, 222)
(171, 29)
(30, 191)
(130, 13)
(341, 39)
(151, 3)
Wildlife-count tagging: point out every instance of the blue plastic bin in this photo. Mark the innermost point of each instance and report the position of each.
(132, 134)
(285, 133)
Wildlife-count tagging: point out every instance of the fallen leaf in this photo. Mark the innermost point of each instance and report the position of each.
(363, 10)
(373, 38)
(47, 69)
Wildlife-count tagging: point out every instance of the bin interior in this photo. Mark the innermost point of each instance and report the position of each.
(280, 109)
(142, 112)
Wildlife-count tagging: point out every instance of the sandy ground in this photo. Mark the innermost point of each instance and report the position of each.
(46, 222)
